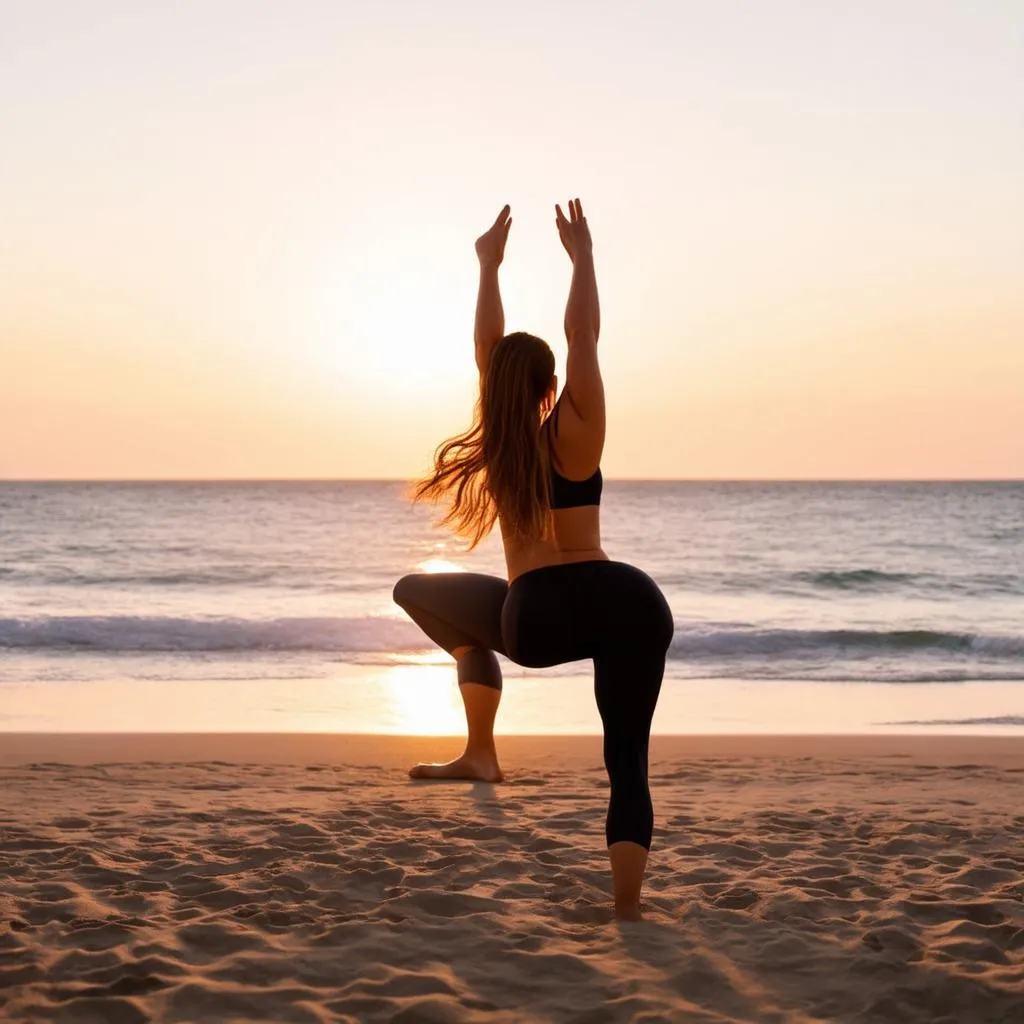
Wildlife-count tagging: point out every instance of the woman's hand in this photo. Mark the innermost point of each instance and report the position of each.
(574, 233)
(490, 246)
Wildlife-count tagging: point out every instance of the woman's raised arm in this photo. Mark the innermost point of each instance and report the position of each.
(490, 315)
(582, 310)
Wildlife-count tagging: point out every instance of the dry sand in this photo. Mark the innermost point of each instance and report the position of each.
(304, 878)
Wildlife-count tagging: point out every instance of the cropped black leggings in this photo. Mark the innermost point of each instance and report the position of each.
(608, 611)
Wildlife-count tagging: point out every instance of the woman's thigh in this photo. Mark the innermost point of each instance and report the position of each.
(455, 609)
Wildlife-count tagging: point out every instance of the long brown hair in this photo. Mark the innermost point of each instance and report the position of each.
(499, 465)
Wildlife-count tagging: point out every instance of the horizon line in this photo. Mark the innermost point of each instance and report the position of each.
(612, 479)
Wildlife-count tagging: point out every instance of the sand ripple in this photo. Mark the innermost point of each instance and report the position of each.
(789, 890)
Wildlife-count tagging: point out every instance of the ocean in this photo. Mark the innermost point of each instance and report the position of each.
(221, 606)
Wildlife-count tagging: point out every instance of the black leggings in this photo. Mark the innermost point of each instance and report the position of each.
(608, 611)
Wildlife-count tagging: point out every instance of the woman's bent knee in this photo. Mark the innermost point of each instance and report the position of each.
(404, 591)
(479, 665)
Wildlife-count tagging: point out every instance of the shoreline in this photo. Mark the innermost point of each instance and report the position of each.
(423, 699)
(388, 750)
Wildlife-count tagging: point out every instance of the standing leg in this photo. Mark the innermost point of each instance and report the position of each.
(461, 612)
(627, 685)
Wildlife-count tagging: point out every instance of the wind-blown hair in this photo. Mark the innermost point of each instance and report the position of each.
(499, 465)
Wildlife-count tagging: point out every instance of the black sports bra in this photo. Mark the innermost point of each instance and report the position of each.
(572, 493)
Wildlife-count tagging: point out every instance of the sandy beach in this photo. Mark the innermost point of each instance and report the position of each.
(305, 878)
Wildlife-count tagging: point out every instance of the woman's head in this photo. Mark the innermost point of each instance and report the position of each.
(499, 465)
(521, 372)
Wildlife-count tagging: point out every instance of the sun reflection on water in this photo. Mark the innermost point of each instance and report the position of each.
(438, 565)
(433, 657)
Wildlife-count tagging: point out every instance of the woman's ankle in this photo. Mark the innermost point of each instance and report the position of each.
(629, 864)
(628, 910)
(478, 749)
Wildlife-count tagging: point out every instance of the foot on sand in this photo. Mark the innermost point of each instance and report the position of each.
(479, 765)
(628, 911)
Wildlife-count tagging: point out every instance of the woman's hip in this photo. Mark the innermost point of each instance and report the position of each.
(600, 578)
(571, 608)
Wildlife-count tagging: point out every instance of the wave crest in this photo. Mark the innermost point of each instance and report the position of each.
(130, 634)
(366, 634)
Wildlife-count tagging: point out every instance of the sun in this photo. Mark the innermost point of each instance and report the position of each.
(409, 334)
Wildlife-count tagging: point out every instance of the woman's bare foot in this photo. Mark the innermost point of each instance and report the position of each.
(628, 911)
(480, 765)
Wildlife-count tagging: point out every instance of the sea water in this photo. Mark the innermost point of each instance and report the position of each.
(797, 606)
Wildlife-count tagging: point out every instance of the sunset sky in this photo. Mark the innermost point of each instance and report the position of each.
(236, 238)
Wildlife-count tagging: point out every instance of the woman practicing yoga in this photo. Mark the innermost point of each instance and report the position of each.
(532, 464)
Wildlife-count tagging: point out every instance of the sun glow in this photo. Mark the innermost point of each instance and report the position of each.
(438, 565)
(422, 701)
(415, 339)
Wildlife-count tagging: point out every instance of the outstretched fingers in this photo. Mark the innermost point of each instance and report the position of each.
(575, 213)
